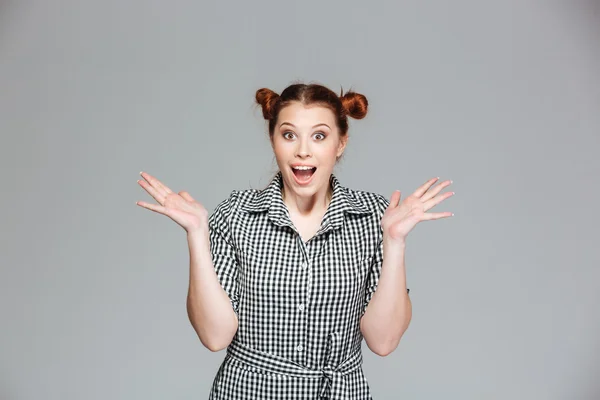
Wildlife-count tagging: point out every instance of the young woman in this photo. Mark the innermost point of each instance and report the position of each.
(292, 277)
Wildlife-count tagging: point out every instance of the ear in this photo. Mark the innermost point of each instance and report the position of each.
(271, 141)
(342, 145)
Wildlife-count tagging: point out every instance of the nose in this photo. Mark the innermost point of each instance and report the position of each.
(303, 148)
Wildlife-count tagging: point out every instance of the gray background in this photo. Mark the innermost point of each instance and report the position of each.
(502, 97)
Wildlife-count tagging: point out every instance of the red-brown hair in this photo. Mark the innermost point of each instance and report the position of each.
(350, 104)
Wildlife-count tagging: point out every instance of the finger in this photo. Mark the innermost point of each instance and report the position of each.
(395, 199)
(423, 188)
(153, 207)
(186, 196)
(435, 190)
(433, 216)
(159, 197)
(161, 187)
(436, 200)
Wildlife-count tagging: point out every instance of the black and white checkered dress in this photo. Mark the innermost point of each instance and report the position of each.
(298, 303)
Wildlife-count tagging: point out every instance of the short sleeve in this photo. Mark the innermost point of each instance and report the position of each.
(377, 262)
(223, 251)
(374, 274)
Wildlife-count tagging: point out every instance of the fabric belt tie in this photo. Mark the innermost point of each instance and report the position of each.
(333, 383)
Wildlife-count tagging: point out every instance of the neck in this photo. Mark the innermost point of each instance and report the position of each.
(307, 206)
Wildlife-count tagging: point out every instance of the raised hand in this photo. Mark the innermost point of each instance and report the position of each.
(400, 218)
(180, 207)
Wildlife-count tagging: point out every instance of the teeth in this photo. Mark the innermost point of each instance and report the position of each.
(303, 168)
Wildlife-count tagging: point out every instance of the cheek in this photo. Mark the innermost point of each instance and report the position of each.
(280, 149)
(328, 153)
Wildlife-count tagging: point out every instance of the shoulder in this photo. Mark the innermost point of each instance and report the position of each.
(375, 202)
(236, 200)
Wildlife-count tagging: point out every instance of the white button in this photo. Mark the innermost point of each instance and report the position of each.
(301, 307)
(299, 348)
(304, 265)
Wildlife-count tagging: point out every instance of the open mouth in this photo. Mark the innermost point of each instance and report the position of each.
(303, 174)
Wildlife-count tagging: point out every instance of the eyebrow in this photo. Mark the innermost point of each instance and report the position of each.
(289, 123)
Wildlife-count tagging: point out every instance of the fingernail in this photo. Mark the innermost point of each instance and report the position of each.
(141, 172)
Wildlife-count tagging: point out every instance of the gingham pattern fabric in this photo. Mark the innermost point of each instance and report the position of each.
(298, 303)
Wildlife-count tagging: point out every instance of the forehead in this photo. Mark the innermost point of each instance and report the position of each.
(303, 115)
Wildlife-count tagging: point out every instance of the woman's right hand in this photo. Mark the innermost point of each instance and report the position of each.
(180, 207)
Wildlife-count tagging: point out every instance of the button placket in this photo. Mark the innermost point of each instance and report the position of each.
(305, 279)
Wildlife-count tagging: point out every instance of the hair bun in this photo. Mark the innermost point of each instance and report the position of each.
(355, 104)
(266, 98)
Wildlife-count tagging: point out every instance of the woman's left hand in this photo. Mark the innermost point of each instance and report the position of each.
(400, 218)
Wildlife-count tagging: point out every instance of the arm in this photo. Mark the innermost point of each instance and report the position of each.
(212, 293)
(208, 305)
(390, 310)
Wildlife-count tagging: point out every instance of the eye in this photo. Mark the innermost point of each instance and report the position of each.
(320, 134)
(285, 134)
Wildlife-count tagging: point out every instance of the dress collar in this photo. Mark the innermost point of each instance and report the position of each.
(270, 199)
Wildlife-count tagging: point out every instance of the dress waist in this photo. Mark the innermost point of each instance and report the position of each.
(333, 384)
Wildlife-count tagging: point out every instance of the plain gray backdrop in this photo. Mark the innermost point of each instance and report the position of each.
(502, 97)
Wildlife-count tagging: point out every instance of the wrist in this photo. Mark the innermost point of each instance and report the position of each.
(198, 233)
(399, 243)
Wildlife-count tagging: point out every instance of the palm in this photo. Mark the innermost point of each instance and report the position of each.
(400, 218)
(180, 207)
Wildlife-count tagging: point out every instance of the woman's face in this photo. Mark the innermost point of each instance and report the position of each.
(306, 143)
